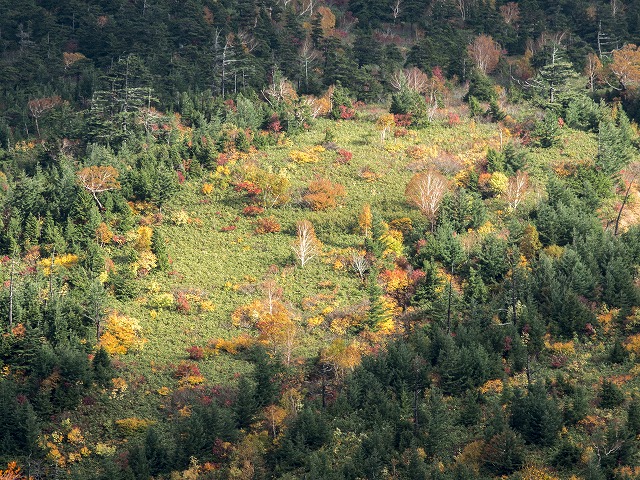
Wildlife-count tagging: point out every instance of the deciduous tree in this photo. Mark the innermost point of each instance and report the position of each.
(485, 53)
(98, 179)
(426, 190)
(307, 246)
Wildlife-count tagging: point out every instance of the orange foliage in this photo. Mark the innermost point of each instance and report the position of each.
(13, 472)
(323, 194)
(104, 234)
(626, 66)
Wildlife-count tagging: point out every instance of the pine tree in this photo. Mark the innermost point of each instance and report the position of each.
(159, 249)
(376, 313)
(31, 230)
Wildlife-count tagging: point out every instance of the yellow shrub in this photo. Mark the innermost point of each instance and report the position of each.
(121, 334)
(207, 188)
(129, 426)
(492, 386)
(144, 238)
(632, 343)
(563, 348)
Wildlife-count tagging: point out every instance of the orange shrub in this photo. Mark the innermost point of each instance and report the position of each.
(323, 194)
(267, 225)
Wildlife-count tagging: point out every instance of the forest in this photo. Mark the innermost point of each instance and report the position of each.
(319, 239)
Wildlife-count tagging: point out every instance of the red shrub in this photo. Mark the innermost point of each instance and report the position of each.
(252, 210)
(402, 119)
(195, 352)
(453, 119)
(182, 303)
(267, 225)
(344, 156)
(187, 369)
(346, 113)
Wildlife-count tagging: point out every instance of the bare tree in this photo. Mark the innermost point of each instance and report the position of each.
(359, 263)
(307, 56)
(510, 13)
(593, 70)
(629, 175)
(412, 78)
(307, 246)
(272, 292)
(517, 189)
(426, 190)
(396, 8)
(485, 53)
(39, 106)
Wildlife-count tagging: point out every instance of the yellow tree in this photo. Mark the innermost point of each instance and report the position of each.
(385, 123)
(98, 179)
(426, 191)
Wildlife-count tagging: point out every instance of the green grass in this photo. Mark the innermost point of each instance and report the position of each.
(228, 266)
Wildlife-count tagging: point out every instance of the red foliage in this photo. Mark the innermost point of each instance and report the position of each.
(558, 361)
(346, 113)
(344, 156)
(402, 119)
(249, 188)
(400, 132)
(182, 303)
(187, 369)
(195, 352)
(453, 119)
(181, 177)
(252, 210)
(274, 124)
(228, 228)
(230, 104)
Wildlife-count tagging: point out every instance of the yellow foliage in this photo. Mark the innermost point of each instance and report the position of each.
(131, 425)
(471, 455)
(180, 218)
(606, 318)
(364, 220)
(498, 183)
(143, 241)
(492, 386)
(104, 449)
(75, 435)
(206, 306)
(632, 343)
(537, 473)
(121, 334)
(146, 261)
(207, 188)
(103, 234)
(392, 240)
(66, 260)
(563, 348)
(310, 155)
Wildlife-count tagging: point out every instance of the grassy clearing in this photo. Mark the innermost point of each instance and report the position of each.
(226, 267)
